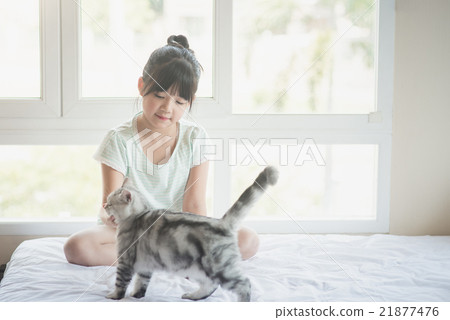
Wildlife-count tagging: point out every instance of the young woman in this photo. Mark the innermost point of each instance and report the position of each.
(158, 150)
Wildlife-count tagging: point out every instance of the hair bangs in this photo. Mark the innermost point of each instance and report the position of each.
(176, 78)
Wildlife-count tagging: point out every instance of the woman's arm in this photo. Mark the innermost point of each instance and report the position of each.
(195, 192)
(112, 180)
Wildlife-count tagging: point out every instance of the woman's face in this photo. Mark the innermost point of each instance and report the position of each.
(162, 110)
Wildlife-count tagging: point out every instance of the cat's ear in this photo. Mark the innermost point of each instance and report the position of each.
(125, 195)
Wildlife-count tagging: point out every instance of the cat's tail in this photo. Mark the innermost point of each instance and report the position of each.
(239, 209)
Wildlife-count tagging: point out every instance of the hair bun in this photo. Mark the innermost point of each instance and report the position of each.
(178, 41)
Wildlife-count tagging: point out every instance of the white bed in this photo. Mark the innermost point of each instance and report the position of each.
(287, 268)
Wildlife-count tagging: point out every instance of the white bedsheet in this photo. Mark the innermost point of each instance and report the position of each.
(286, 268)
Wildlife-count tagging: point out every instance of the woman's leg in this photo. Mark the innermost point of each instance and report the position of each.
(92, 247)
(97, 246)
(248, 242)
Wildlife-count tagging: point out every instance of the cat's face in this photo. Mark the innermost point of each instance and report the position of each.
(118, 204)
(124, 202)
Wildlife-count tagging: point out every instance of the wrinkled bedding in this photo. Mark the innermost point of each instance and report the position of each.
(286, 268)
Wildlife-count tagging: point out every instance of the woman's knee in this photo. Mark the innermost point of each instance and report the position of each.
(248, 241)
(87, 247)
(73, 249)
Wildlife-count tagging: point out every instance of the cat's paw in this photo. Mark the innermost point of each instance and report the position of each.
(189, 296)
(116, 295)
(195, 296)
(138, 294)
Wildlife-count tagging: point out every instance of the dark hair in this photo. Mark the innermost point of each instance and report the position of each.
(173, 66)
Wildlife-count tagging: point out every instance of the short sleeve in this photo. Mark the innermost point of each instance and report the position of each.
(202, 147)
(112, 152)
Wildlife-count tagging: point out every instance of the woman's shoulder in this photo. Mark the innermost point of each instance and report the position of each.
(123, 131)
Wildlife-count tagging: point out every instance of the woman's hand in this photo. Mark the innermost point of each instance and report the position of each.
(111, 222)
(112, 180)
(106, 219)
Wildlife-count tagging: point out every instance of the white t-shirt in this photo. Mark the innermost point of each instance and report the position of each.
(163, 185)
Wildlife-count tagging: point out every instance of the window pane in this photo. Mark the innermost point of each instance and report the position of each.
(20, 50)
(111, 65)
(49, 182)
(303, 56)
(55, 182)
(319, 182)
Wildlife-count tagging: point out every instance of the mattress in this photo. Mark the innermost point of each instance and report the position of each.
(286, 268)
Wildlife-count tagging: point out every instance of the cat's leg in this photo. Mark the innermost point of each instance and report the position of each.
(123, 277)
(207, 287)
(141, 284)
(240, 285)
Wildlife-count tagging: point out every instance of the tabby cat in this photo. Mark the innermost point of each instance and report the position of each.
(201, 248)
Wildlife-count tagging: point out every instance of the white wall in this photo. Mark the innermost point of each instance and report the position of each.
(420, 183)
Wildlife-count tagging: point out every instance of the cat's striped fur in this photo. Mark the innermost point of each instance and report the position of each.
(201, 248)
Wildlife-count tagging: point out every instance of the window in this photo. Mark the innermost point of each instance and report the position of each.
(106, 44)
(304, 56)
(29, 59)
(49, 182)
(117, 38)
(315, 71)
(278, 76)
(20, 70)
(334, 182)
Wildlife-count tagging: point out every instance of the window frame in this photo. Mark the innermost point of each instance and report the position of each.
(48, 104)
(62, 117)
(74, 106)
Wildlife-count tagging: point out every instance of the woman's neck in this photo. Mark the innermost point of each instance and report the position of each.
(143, 124)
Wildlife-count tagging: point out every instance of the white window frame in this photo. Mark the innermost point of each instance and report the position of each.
(374, 128)
(75, 106)
(48, 104)
(62, 117)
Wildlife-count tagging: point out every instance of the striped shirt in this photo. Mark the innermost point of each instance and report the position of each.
(162, 184)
